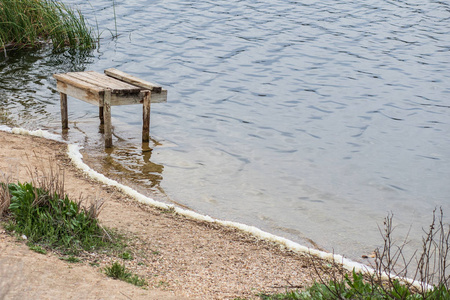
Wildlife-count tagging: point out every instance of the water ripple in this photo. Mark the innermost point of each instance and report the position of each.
(342, 102)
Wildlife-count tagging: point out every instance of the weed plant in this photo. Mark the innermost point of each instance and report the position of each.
(126, 255)
(71, 259)
(118, 271)
(37, 248)
(54, 221)
(30, 23)
(356, 287)
(5, 197)
(431, 279)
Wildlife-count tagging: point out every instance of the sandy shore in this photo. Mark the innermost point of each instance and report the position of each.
(180, 258)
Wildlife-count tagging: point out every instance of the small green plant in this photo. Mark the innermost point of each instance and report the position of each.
(162, 284)
(168, 210)
(94, 264)
(118, 271)
(37, 248)
(126, 255)
(71, 259)
(137, 281)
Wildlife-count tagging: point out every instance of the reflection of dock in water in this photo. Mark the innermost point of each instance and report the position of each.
(132, 165)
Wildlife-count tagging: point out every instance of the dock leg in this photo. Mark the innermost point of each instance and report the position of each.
(107, 118)
(146, 117)
(100, 115)
(64, 116)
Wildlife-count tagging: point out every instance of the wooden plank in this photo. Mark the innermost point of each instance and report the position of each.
(94, 98)
(133, 80)
(79, 93)
(70, 80)
(146, 117)
(126, 99)
(104, 81)
(137, 99)
(159, 97)
(107, 118)
(79, 77)
(115, 86)
(64, 115)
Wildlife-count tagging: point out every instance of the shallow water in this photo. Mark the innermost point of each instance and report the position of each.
(309, 120)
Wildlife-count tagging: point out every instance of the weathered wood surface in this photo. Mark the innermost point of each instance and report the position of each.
(133, 80)
(64, 115)
(82, 84)
(90, 87)
(103, 81)
(107, 118)
(89, 96)
(159, 97)
(146, 117)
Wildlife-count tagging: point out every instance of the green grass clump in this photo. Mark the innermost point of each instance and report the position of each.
(126, 255)
(355, 287)
(118, 271)
(53, 221)
(37, 248)
(71, 259)
(29, 23)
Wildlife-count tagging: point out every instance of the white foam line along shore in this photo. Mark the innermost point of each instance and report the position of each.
(77, 159)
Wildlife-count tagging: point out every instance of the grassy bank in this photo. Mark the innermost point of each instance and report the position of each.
(49, 220)
(31, 23)
(43, 215)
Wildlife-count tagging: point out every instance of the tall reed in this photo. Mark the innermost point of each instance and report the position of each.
(30, 23)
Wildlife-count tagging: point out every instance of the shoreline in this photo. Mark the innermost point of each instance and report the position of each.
(263, 262)
(76, 157)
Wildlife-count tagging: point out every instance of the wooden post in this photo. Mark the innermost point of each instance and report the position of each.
(146, 117)
(64, 116)
(100, 115)
(107, 117)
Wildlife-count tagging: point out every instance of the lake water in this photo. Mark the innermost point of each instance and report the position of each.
(308, 119)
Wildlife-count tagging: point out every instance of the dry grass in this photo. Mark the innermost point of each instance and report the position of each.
(429, 266)
(5, 197)
(51, 177)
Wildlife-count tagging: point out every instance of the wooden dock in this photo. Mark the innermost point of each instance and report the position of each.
(110, 89)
